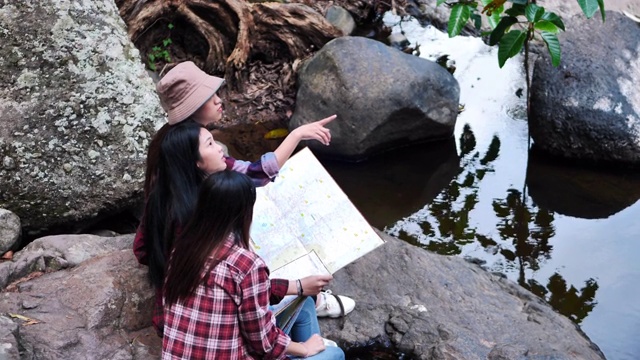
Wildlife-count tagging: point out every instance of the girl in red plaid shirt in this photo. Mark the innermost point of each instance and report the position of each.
(217, 290)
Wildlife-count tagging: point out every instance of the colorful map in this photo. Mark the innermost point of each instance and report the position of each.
(303, 224)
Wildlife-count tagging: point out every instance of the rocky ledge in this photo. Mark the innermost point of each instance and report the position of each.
(85, 296)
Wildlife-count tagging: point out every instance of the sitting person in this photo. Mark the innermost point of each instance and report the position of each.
(186, 155)
(216, 297)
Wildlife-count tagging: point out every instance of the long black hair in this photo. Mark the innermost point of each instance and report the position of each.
(224, 208)
(173, 195)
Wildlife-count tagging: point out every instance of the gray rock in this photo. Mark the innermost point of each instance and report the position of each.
(10, 230)
(77, 110)
(383, 98)
(398, 41)
(97, 310)
(588, 109)
(436, 307)
(8, 339)
(341, 19)
(57, 252)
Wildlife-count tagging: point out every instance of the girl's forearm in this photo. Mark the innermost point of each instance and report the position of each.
(284, 151)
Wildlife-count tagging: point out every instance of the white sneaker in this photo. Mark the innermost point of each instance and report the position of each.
(328, 342)
(329, 305)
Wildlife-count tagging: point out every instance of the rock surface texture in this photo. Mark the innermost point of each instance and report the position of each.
(383, 98)
(10, 230)
(77, 110)
(429, 306)
(590, 110)
(439, 307)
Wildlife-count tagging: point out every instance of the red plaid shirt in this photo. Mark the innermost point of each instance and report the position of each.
(227, 317)
(261, 173)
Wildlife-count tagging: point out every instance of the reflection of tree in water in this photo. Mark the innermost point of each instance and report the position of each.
(451, 215)
(524, 230)
(572, 303)
(529, 242)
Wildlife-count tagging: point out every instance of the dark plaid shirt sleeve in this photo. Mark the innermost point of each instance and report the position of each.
(261, 172)
(279, 288)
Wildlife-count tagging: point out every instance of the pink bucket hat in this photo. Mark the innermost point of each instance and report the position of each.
(184, 89)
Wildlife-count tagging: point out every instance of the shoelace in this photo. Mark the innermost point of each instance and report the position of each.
(342, 314)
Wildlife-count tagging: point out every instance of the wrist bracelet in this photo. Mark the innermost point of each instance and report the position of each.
(299, 284)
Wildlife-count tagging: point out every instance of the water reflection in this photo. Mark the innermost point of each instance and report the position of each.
(571, 302)
(446, 227)
(577, 191)
(518, 243)
(392, 185)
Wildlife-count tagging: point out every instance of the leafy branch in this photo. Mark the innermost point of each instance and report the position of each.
(513, 27)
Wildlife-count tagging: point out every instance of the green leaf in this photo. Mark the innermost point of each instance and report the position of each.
(152, 57)
(156, 49)
(493, 20)
(440, 2)
(501, 28)
(589, 7)
(460, 14)
(510, 45)
(553, 45)
(548, 26)
(170, 26)
(601, 5)
(519, 2)
(166, 42)
(533, 12)
(515, 10)
(555, 19)
(152, 66)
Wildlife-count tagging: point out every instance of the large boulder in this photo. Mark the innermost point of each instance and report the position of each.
(383, 98)
(432, 306)
(588, 108)
(77, 110)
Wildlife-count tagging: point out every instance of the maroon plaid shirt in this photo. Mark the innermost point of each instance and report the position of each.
(261, 173)
(228, 316)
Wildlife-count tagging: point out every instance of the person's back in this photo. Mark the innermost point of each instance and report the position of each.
(207, 325)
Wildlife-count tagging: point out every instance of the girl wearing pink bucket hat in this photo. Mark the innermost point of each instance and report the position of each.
(189, 96)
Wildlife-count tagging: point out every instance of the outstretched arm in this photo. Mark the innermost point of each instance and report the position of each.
(310, 131)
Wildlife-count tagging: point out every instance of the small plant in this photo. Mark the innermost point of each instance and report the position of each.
(160, 52)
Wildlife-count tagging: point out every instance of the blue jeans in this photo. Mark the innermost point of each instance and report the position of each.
(305, 325)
